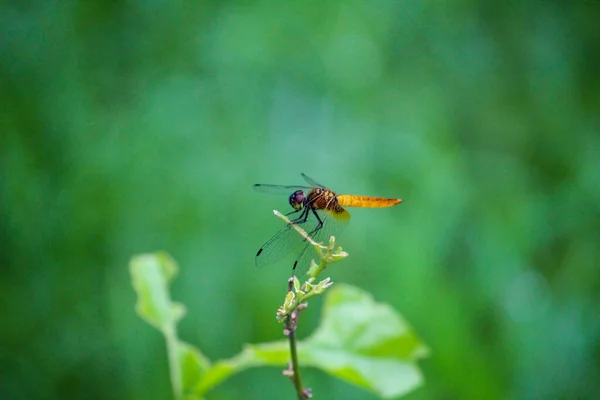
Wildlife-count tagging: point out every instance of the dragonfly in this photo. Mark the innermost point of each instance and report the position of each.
(320, 212)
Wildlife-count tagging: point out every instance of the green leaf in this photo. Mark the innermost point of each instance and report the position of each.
(359, 341)
(151, 275)
(365, 343)
(265, 354)
(194, 365)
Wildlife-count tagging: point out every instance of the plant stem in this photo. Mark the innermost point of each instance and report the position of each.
(294, 353)
(174, 366)
(293, 303)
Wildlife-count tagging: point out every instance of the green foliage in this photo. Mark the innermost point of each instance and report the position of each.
(365, 343)
(151, 276)
(359, 341)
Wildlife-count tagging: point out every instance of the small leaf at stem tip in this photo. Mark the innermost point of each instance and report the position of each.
(324, 284)
(338, 256)
(289, 300)
(331, 242)
(296, 283)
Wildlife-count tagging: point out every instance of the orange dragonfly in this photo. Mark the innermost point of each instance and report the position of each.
(317, 210)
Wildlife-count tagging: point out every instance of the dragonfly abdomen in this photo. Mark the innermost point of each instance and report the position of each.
(348, 200)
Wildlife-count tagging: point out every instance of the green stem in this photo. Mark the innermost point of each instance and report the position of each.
(174, 365)
(297, 379)
(319, 269)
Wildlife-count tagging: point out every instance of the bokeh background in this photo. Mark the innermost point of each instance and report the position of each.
(131, 127)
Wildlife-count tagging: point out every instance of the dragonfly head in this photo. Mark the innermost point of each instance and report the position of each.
(297, 200)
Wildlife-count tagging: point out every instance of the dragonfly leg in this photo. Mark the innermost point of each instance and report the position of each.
(314, 231)
(301, 219)
(292, 213)
(320, 224)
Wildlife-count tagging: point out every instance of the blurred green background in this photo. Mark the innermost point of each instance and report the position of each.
(130, 127)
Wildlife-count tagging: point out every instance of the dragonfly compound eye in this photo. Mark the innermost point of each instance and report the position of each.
(297, 200)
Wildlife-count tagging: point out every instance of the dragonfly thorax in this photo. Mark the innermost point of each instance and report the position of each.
(297, 200)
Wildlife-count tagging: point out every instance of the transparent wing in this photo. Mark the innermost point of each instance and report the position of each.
(311, 181)
(286, 240)
(334, 224)
(279, 189)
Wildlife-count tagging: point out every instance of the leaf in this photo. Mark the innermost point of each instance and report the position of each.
(151, 275)
(364, 343)
(359, 341)
(194, 365)
(267, 354)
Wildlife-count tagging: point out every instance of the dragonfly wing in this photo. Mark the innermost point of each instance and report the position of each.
(280, 245)
(285, 241)
(311, 181)
(278, 189)
(334, 224)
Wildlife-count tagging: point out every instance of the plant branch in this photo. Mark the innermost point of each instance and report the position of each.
(174, 365)
(296, 378)
(297, 294)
